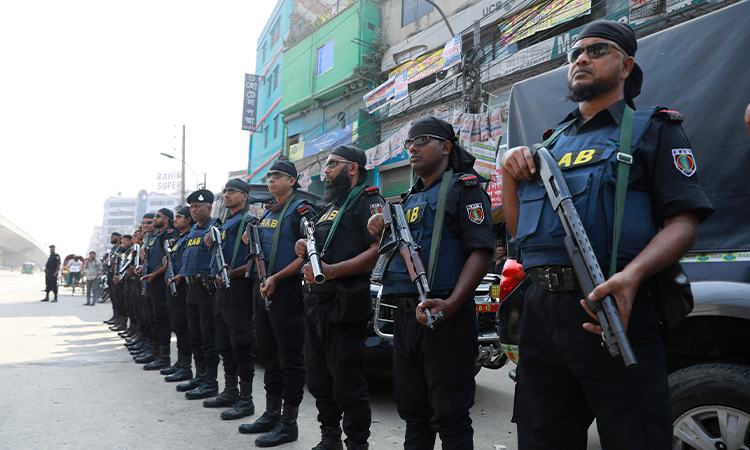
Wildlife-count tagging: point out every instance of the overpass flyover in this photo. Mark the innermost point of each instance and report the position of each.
(17, 246)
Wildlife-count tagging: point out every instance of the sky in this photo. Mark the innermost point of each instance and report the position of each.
(92, 92)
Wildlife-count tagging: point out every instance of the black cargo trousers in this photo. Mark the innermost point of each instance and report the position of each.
(233, 322)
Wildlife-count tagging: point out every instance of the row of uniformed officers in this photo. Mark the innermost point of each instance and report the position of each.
(309, 332)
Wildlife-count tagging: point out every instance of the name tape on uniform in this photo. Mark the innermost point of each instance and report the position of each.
(579, 158)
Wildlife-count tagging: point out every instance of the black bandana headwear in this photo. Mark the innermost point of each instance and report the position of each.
(624, 36)
(167, 213)
(184, 211)
(353, 154)
(458, 158)
(288, 168)
(238, 184)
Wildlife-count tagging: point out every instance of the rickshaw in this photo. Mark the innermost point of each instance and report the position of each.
(77, 281)
(28, 267)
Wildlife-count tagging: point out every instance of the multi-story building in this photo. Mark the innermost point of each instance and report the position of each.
(326, 73)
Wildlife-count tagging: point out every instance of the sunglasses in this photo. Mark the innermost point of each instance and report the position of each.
(421, 140)
(275, 175)
(229, 191)
(595, 50)
(147, 222)
(332, 163)
(159, 216)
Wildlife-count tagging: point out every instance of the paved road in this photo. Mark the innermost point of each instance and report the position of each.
(68, 382)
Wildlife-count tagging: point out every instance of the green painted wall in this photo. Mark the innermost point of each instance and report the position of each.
(301, 87)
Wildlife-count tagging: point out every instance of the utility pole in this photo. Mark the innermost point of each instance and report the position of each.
(182, 184)
(472, 85)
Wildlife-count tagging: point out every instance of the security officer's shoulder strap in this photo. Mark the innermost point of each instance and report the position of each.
(669, 115)
(372, 190)
(467, 179)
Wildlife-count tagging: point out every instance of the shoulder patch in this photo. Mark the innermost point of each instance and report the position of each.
(469, 180)
(475, 212)
(672, 116)
(372, 190)
(376, 208)
(684, 161)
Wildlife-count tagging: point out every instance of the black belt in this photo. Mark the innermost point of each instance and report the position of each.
(555, 278)
(202, 279)
(326, 287)
(408, 304)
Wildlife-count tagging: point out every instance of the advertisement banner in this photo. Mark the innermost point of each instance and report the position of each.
(542, 17)
(495, 189)
(296, 151)
(379, 97)
(452, 52)
(645, 10)
(250, 106)
(422, 67)
(401, 87)
(326, 141)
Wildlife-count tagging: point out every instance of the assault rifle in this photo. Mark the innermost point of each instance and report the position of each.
(129, 260)
(582, 255)
(255, 252)
(312, 252)
(217, 246)
(144, 271)
(170, 266)
(398, 238)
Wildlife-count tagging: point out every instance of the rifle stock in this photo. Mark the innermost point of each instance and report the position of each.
(582, 256)
(255, 252)
(217, 246)
(144, 272)
(170, 267)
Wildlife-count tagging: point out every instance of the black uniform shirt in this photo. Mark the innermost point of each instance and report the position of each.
(351, 237)
(653, 169)
(52, 262)
(473, 235)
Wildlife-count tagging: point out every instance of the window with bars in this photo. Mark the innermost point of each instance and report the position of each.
(411, 10)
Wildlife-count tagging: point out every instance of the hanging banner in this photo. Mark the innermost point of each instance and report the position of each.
(452, 52)
(379, 97)
(645, 10)
(249, 104)
(401, 87)
(296, 151)
(542, 17)
(422, 67)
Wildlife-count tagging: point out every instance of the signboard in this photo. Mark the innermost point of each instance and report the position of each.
(452, 52)
(168, 181)
(401, 87)
(379, 97)
(422, 67)
(542, 17)
(323, 142)
(250, 105)
(645, 10)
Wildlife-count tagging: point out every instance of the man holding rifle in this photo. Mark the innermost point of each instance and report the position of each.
(447, 215)
(337, 310)
(278, 310)
(233, 314)
(565, 377)
(182, 369)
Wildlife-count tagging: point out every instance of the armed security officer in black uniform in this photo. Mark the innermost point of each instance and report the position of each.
(51, 270)
(280, 325)
(565, 377)
(133, 291)
(109, 264)
(150, 351)
(123, 282)
(433, 370)
(196, 271)
(156, 293)
(338, 310)
(182, 369)
(117, 288)
(233, 313)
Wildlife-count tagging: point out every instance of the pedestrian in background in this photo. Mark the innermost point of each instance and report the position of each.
(50, 270)
(92, 271)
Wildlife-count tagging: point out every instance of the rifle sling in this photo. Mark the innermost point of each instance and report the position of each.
(353, 193)
(239, 238)
(437, 228)
(277, 234)
(623, 173)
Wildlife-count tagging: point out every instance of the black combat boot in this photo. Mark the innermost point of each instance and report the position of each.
(268, 420)
(174, 368)
(244, 406)
(286, 430)
(200, 375)
(161, 362)
(331, 439)
(352, 446)
(46, 299)
(209, 387)
(228, 396)
(149, 354)
(184, 372)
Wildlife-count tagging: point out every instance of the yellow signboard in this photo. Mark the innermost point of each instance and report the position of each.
(542, 17)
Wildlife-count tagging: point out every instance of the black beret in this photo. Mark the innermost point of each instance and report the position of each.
(353, 154)
(184, 211)
(239, 184)
(201, 196)
(288, 168)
